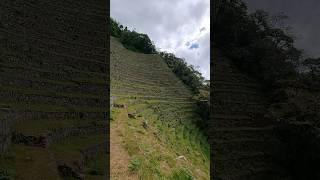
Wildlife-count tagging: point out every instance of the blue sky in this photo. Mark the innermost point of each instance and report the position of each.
(194, 46)
(171, 25)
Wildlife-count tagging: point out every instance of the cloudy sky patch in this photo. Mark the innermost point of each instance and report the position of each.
(180, 27)
(303, 18)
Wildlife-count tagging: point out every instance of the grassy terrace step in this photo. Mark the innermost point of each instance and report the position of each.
(51, 8)
(131, 85)
(235, 85)
(39, 126)
(53, 39)
(169, 107)
(50, 75)
(31, 95)
(66, 83)
(88, 39)
(54, 86)
(242, 132)
(48, 107)
(159, 90)
(142, 82)
(138, 69)
(227, 108)
(93, 36)
(69, 150)
(70, 49)
(146, 78)
(30, 162)
(36, 35)
(150, 93)
(155, 103)
(241, 155)
(223, 120)
(49, 136)
(99, 70)
(237, 98)
(54, 68)
(67, 66)
(160, 84)
(46, 116)
(245, 144)
(252, 92)
(254, 161)
(233, 78)
(142, 97)
(263, 172)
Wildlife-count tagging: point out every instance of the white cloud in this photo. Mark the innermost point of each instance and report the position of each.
(171, 25)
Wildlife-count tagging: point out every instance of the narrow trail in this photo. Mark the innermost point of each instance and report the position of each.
(119, 156)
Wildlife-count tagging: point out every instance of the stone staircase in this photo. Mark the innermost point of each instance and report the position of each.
(53, 77)
(243, 141)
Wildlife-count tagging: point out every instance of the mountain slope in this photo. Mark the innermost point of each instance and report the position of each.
(53, 74)
(243, 140)
(160, 136)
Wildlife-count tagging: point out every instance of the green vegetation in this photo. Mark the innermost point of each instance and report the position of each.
(261, 46)
(186, 73)
(7, 174)
(134, 164)
(181, 174)
(131, 39)
(159, 131)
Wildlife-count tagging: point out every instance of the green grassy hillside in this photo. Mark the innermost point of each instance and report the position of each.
(158, 131)
(53, 79)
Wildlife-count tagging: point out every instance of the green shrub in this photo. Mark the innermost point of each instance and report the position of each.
(132, 40)
(134, 164)
(137, 42)
(7, 174)
(181, 174)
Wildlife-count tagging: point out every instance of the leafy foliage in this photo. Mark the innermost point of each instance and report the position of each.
(187, 73)
(7, 174)
(131, 39)
(181, 174)
(261, 46)
(137, 42)
(134, 164)
(255, 42)
(193, 79)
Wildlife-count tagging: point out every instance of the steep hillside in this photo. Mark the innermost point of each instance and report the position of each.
(153, 113)
(53, 90)
(244, 145)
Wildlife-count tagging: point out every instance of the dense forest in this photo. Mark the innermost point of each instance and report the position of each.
(261, 46)
(191, 77)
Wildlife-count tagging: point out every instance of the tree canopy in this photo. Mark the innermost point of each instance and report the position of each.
(261, 46)
(131, 39)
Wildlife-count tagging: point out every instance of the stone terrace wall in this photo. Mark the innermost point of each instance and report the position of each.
(53, 60)
(243, 142)
(4, 129)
